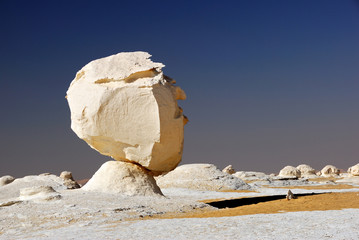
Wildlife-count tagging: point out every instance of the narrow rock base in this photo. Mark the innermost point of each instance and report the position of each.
(122, 177)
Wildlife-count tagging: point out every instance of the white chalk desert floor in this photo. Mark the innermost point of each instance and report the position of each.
(76, 214)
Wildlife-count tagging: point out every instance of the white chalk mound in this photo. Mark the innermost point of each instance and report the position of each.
(125, 107)
(200, 177)
(329, 171)
(289, 171)
(306, 170)
(125, 178)
(354, 170)
(39, 194)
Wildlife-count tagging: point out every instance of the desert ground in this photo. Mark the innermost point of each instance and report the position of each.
(322, 208)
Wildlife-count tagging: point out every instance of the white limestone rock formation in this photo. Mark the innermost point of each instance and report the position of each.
(354, 170)
(251, 176)
(125, 107)
(125, 178)
(69, 181)
(39, 194)
(329, 171)
(4, 180)
(12, 190)
(290, 172)
(229, 169)
(201, 177)
(306, 170)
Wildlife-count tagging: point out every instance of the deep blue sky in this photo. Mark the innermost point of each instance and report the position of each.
(269, 83)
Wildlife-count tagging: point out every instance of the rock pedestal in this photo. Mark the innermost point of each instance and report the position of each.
(121, 177)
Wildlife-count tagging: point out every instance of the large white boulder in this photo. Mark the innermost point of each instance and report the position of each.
(201, 177)
(125, 178)
(354, 170)
(329, 171)
(125, 107)
(306, 170)
(289, 171)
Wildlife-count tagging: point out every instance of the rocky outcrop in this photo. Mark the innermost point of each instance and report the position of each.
(200, 177)
(69, 182)
(229, 169)
(123, 106)
(354, 170)
(306, 170)
(125, 178)
(39, 194)
(251, 176)
(290, 172)
(329, 171)
(4, 180)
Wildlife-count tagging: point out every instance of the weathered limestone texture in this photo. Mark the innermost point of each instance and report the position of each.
(201, 177)
(306, 170)
(289, 171)
(125, 107)
(354, 170)
(121, 177)
(229, 169)
(6, 180)
(329, 171)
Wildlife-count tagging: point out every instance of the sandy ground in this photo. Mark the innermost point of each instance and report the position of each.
(184, 214)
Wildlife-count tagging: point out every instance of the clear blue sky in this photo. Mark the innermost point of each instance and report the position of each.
(269, 83)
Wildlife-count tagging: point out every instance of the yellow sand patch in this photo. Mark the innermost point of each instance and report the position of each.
(339, 186)
(326, 201)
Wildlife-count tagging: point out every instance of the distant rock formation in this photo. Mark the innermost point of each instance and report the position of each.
(354, 170)
(201, 177)
(69, 182)
(290, 172)
(329, 171)
(4, 180)
(229, 169)
(306, 170)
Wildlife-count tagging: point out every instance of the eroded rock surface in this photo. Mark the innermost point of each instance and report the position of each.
(201, 177)
(125, 107)
(229, 169)
(289, 171)
(306, 170)
(4, 180)
(121, 177)
(354, 170)
(329, 171)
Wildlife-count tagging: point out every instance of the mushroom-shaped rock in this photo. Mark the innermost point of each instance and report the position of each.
(125, 107)
(354, 170)
(201, 177)
(125, 178)
(306, 170)
(6, 180)
(229, 169)
(329, 171)
(289, 171)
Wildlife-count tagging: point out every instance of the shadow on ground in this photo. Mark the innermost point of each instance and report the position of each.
(232, 203)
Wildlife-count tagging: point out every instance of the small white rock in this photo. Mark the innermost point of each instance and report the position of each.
(329, 171)
(6, 180)
(229, 169)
